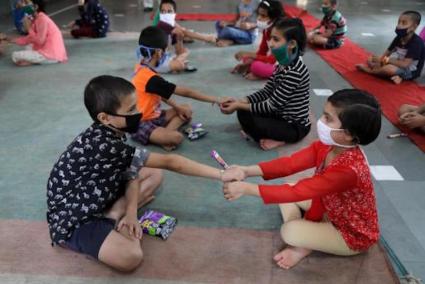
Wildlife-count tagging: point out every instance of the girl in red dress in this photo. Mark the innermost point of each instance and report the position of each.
(334, 211)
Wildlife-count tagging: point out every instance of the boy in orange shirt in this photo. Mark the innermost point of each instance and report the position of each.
(159, 126)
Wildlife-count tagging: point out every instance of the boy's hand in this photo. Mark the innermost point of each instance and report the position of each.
(184, 113)
(229, 107)
(133, 226)
(234, 173)
(234, 190)
(225, 100)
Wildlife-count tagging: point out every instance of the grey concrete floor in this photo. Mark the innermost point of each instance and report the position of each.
(401, 203)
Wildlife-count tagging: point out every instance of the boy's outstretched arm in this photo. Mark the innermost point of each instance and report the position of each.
(196, 95)
(182, 165)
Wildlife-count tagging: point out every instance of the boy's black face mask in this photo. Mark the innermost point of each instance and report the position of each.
(132, 121)
(401, 32)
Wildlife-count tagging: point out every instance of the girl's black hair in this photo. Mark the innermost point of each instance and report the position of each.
(293, 29)
(41, 5)
(274, 9)
(359, 113)
(104, 94)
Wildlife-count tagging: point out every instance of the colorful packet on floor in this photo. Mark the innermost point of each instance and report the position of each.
(158, 224)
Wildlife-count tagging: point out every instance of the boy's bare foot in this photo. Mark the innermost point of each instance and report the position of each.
(224, 42)
(291, 256)
(251, 77)
(269, 144)
(396, 79)
(363, 68)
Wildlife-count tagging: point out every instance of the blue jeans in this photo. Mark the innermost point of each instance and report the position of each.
(237, 35)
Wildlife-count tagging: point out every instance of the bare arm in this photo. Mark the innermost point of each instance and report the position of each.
(196, 95)
(182, 165)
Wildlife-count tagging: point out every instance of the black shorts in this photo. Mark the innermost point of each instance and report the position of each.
(89, 237)
(333, 42)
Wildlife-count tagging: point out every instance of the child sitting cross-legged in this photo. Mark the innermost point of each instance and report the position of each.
(338, 200)
(404, 58)
(334, 24)
(160, 126)
(97, 185)
(261, 64)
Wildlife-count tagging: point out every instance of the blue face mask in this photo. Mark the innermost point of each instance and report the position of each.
(282, 54)
(149, 52)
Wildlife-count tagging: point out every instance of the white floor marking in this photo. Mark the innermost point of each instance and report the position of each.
(385, 173)
(323, 92)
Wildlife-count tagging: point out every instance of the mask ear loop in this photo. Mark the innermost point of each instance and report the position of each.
(139, 53)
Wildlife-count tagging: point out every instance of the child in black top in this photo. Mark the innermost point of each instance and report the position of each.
(99, 181)
(404, 58)
(279, 113)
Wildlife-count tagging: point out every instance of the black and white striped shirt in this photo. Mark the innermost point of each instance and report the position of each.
(286, 94)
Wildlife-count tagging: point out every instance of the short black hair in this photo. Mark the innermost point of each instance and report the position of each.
(359, 113)
(293, 29)
(334, 2)
(273, 7)
(153, 37)
(172, 2)
(414, 15)
(104, 94)
(41, 5)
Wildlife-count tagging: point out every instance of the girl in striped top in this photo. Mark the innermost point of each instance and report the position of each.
(279, 113)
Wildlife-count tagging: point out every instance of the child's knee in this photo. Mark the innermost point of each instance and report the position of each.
(176, 138)
(130, 260)
(177, 65)
(289, 234)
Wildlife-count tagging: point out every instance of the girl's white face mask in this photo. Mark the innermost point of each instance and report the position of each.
(325, 136)
(169, 18)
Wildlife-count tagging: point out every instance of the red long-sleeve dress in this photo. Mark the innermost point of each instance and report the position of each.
(343, 190)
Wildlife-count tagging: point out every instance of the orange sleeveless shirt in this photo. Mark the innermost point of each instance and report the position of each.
(147, 103)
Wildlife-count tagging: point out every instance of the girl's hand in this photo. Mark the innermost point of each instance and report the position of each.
(133, 226)
(229, 107)
(26, 22)
(234, 190)
(234, 173)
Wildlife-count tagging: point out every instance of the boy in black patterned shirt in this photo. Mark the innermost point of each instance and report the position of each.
(99, 181)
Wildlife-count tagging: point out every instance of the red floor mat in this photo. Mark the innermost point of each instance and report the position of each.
(344, 59)
(205, 17)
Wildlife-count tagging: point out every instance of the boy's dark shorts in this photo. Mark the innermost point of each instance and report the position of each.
(147, 127)
(333, 43)
(89, 237)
